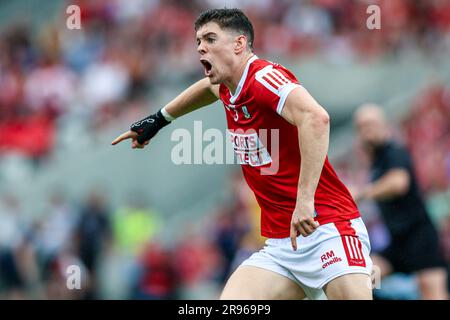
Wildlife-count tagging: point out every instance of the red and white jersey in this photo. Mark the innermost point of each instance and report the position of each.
(267, 147)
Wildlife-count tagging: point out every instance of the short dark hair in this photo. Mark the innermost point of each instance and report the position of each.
(233, 19)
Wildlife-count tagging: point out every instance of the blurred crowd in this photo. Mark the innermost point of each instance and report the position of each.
(119, 251)
(427, 135)
(56, 81)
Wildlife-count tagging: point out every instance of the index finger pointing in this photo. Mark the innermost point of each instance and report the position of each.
(124, 136)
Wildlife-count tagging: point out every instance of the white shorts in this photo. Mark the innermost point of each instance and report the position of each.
(334, 249)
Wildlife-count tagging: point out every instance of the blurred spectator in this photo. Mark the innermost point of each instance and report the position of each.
(104, 82)
(134, 225)
(236, 220)
(56, 277)
(55, 232)
(15, 136)
(50, 87)
(228, 237)
(158, 277)
(94, 235)
(199, 264)
(414, 244)
(427, 130)
(12, 282)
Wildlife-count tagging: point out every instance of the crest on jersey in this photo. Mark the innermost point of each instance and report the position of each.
(247, 114)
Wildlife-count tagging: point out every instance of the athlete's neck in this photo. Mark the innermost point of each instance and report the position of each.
(233, 82)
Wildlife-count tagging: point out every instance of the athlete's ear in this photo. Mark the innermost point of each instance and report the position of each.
(240, 44)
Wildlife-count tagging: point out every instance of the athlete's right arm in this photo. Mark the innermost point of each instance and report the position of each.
(200, 94)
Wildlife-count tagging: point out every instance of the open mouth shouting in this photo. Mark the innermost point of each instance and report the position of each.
(207, 66)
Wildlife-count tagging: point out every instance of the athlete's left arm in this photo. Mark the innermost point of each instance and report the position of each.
(313, 124)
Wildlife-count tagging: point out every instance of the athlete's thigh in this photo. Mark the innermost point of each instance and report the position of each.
(351, 286)
(254, 283)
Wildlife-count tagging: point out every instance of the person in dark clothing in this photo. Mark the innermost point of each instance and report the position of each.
(93, 234)
(414, 246)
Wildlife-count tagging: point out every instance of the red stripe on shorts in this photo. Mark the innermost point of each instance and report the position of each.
(351, 243)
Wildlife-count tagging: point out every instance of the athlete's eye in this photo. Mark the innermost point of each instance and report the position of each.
(211, 40)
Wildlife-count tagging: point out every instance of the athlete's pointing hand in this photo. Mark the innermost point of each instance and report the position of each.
(133, 136)
(143, 130)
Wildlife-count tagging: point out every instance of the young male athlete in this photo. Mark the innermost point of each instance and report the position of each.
(317, 240)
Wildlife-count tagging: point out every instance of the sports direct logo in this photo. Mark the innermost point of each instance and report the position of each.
(212, 146)
(249, 150)
(330, 259)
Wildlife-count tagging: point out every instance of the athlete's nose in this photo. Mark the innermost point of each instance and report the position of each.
(201, 48)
